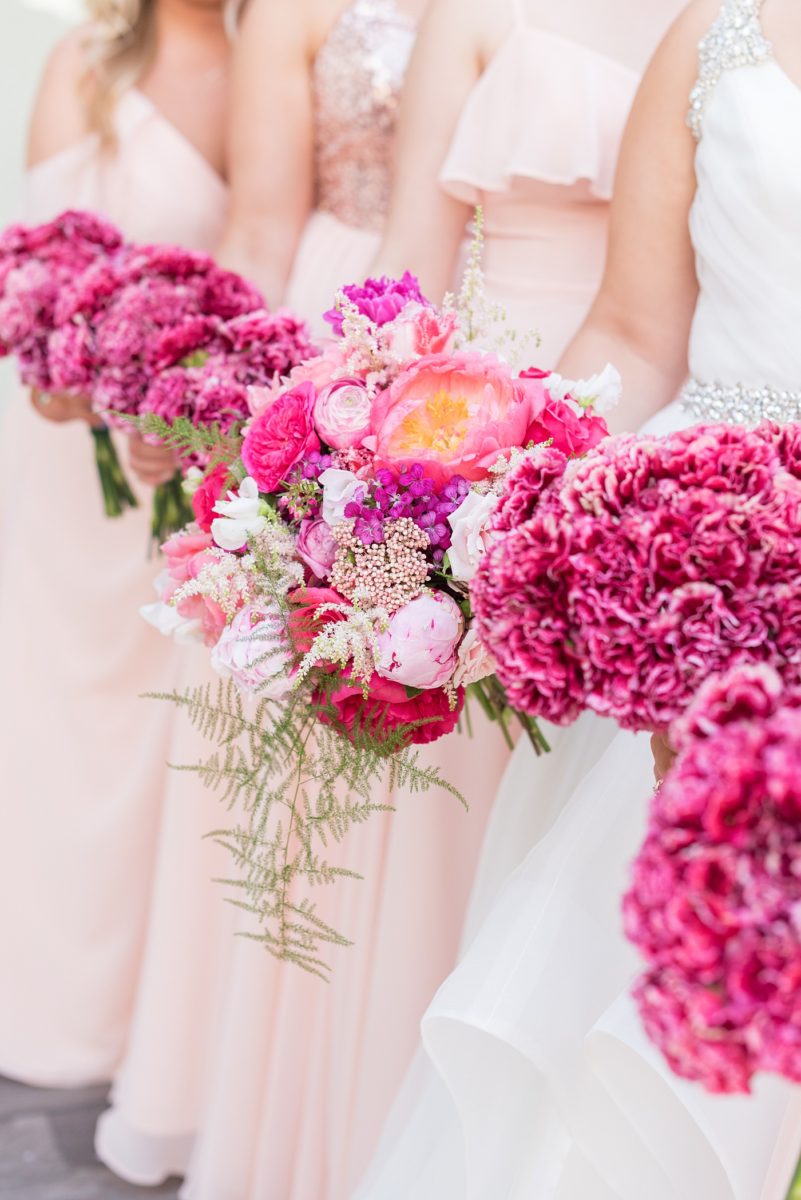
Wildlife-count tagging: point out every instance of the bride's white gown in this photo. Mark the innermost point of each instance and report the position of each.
(544, 1085)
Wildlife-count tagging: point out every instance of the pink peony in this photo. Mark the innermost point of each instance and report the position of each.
(252, 651)
(453, 414)
(419, 647)
(316, 547)
(388, 707)
(280, 437)
(342, 413)
(716, 888)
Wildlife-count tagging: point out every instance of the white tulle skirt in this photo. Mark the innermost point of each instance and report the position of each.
(535, 1080)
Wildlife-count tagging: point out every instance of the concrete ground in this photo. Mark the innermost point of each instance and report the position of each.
(46, 1150)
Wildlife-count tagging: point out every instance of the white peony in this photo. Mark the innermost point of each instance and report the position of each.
(471, 536)
(253, 651)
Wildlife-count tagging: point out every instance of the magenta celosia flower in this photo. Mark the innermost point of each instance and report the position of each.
(716, 889)
(650, 564)
(379, 299)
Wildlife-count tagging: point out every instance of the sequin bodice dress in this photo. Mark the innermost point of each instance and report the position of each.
(357, 81)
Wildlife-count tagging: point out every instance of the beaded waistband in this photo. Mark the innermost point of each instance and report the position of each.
(739, 405)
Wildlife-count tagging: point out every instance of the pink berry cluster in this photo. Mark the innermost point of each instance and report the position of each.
(715, 901)
(622, 581)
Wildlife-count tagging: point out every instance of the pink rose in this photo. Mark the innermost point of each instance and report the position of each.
(388, 706)
(471, 534)
(342, 413)
(207, 495)
(280, 437)
(556, 421)
(473, 662)
(321, 370)
(252, 651)
(419, 331)
(316, 547)
(418, 649)
(454, 414)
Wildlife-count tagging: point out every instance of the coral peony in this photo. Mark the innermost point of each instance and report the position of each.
(280, 437)
(452, 414)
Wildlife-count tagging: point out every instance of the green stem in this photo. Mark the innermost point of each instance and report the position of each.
(117, 493)
(171, 509)
(794, 1192)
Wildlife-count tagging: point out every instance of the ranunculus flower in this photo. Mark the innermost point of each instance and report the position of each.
(253, 651)
(418, 649)
(420, 330)
(280, 437)
(473, 661)
(342, 413)
(339, 488)
(316, 547)
(241, 515)
(452, 413)
(206, 495)
(388, 706)
(472, 535)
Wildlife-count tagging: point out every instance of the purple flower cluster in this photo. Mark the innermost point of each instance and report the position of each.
(302, 499)
(716, 893)
(411, 494)
(648, 565)
(379, 299)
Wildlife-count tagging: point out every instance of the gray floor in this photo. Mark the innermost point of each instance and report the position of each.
(46, 1148)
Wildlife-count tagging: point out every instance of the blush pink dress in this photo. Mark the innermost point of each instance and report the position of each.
(83, 759)
(249, 1076)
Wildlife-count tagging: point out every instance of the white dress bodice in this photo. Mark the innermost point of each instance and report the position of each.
(745, 223)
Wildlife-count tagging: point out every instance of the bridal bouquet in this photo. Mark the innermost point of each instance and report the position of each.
(329, 572)
(139, 329)
(716, 893)
(643, 568)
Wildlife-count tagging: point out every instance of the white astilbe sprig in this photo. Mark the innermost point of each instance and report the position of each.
(483, 324)
(273, 555)
(224, 579)
(350, 644)
(362, 345)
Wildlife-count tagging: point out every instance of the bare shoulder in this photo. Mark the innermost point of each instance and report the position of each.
(59, 115)
(673, 70)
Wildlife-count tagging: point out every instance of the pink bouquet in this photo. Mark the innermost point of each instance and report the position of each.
(141, 330)
(716, 892)
(331, 562)
(641, 569)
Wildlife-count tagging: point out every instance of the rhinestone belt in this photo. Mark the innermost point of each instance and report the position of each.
(738, 405)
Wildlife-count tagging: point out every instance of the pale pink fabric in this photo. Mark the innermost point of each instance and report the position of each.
(544, 179)
(83, 758)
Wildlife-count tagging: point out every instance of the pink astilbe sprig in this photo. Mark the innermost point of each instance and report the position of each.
(622, 584)
(715, 902)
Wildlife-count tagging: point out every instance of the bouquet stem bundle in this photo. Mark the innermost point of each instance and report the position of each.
(117, 493)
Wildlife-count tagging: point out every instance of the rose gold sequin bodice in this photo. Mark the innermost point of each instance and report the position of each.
(358, 76)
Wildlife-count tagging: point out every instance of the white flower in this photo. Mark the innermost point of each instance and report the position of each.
(339, 488)
(241, 515)
(471, 535)
(600, 392)
(473, 662)
(192, 481)
(166, 618)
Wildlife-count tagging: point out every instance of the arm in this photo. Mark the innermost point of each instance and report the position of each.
(270, 142)
(426, 226)
(641, 317)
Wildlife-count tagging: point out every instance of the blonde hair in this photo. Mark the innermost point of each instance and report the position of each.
(120, 46)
